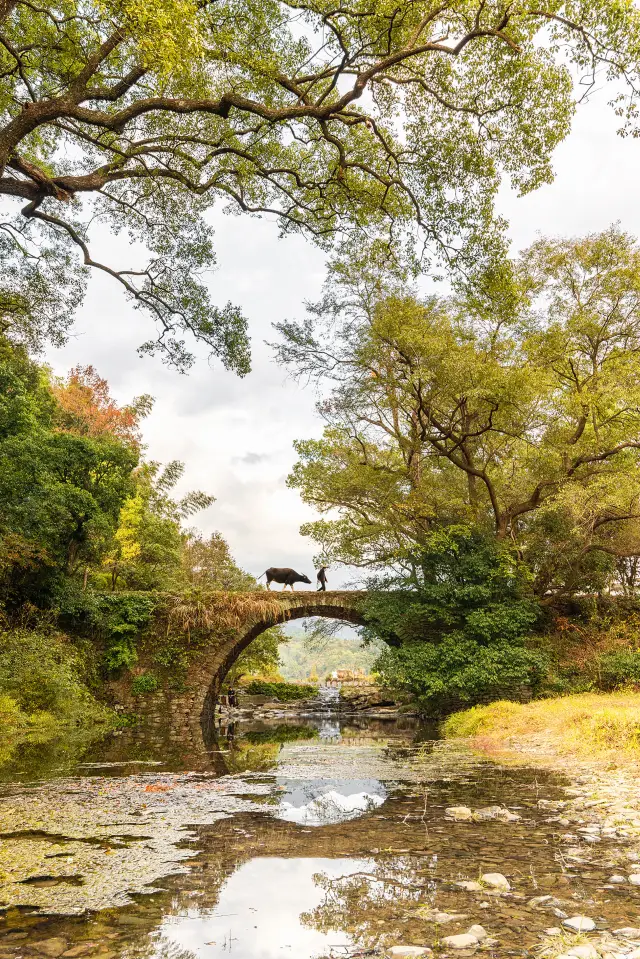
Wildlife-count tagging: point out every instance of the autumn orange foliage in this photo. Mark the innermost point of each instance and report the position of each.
(86, 407)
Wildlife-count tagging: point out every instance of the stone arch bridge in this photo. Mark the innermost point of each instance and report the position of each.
(189, 712)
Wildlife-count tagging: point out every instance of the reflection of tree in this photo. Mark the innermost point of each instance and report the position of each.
(369, 904)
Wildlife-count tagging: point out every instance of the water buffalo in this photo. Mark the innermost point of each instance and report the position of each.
(283, 574)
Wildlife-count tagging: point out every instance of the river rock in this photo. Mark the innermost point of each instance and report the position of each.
(478, 931)
(52, 948)
(496, 880)
(628, 932)
(553, 931)
(579, 924)
(617, 878)
(83, 949)
(463, 941)
(471, 885)
(459, 813)
(586, 951)
(435, 915)
(633, 955)
(539, 901)
(407, 952)
(634, 879)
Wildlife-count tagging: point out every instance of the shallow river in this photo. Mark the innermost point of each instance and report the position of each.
(292, 840)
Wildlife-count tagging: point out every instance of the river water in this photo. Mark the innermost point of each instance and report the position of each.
(295, 839)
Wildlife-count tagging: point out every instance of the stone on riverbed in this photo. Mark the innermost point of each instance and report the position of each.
(463, 941)
(628, 932)
(478, 931)
(634, 879)
(459, 813)
(617, 878)
(471, 885)
(52, 948)
(407, 952)
(496, 880)
(436, 915)
(586, 951)
(579, 924)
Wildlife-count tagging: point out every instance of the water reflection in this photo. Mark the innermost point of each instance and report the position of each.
(261, 912)
(319, 839)
(321, 802)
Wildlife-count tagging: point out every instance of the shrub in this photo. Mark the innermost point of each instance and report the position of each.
(457, 628)
(285, 692)
(618, 668)
(145, 683)
(43, 672)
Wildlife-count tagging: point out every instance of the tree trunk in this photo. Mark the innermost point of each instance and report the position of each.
(85, 577)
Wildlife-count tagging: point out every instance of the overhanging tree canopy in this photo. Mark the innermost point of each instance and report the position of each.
(375, 115)
(521, 418)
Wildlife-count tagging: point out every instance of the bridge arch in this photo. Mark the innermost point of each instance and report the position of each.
(345, 605)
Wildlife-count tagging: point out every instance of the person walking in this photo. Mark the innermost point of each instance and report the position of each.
(322, 578)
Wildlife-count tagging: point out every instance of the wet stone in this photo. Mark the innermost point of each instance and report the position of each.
(463, 941)
(52, 948)
(579, 924)
(407, 952)
(496, 880)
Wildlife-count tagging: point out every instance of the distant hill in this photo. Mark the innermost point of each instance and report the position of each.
(299, 661)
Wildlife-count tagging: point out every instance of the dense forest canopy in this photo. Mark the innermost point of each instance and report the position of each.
(512, 407)
(390, 120)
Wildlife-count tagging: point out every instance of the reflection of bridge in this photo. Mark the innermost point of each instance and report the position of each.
(189, 712)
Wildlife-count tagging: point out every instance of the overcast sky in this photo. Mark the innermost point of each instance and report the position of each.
(235, 435)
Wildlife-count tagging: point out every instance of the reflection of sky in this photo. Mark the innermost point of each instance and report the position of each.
(260, 907)
(317, 802)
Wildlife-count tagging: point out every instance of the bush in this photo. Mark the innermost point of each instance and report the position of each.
(145, 683)
(616, 669)
(44, 672)
(457, 628)
(285, 692)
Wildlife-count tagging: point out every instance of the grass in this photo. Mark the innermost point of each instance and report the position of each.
(590, 725)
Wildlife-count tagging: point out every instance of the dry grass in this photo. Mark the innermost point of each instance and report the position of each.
(218, 611)
(603, 726)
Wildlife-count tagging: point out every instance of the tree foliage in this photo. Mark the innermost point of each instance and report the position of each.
(60, 492)
(373, 117)
(513, 405)
(457, 627)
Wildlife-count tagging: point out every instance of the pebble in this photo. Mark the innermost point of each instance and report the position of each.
(634, 879)
(459, 813)
(633, 955)
(580, 924)
(478, 931)
(471, 885)
(407, 952)
(583, 952)
(463, 941)
(435, 915)
(617, 878)
(628, 932)
(496, 880)
(81, 950)
(553, 931)
(539, 900)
